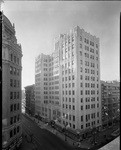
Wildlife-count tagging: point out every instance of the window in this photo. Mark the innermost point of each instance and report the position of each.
(96, 45)
(69, 84)
(11, 57)
(80, 53)
(73, 92)
(73, 118)
(97, 114)
(81, 77)
(18, 118)
(11, 82)
(69, 77)
(11, 120)
(81, 69)
(14, 119)
(80, 38)
(18, 61)
(63, 105)
(11, 95)
(98, 105)
(69, 92)
(14, 131)
(66, 92)
(73, 77)
(14, 59)
(81, 100)
(15, 107)
(17, 95)
(81, 84)
(14, 95)
(14, 83)
(11, 70)
(18, 106)
(18, 128)
(14, 71)
(81, 118)
(81, 107)
(18, 83)
(11, 134)
(17, 72)
(11, 108)
(73, 107)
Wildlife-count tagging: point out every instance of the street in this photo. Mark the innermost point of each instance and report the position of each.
(43, 139)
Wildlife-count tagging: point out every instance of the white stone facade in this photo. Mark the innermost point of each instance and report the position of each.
(72, 81)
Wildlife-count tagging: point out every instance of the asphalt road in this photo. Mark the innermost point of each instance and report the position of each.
(43, 139)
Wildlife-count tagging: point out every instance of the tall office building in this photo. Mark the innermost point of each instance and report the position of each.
(30, 99)
(67, 83)
(11, 86)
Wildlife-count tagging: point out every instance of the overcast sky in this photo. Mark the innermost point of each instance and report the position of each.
(38, 23)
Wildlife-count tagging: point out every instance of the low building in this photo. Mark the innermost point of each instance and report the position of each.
(30, 99)
(110, 101)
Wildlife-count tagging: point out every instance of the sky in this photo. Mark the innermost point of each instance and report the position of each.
(37, 23)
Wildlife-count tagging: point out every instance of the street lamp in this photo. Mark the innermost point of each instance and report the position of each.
(107, 118)
(66, 126)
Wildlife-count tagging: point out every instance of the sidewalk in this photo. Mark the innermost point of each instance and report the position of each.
(42, 125)
(26, 145)
(85, 144)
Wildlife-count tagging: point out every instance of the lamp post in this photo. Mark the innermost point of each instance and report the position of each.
(66, 126)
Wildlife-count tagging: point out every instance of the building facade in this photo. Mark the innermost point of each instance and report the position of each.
(11, 86)
(30, 99)
(110, 101)
(23, 103)
(67, 82)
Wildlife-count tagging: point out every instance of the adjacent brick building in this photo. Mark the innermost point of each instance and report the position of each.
(30, 99)
(110, 96)
(11, 86)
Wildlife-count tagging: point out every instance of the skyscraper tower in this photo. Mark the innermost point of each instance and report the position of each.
(73, 85)
(11, 86)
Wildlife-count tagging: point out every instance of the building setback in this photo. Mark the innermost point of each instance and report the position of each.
(30, 99)
(11, 86)
(110, 101)
(67, 82)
